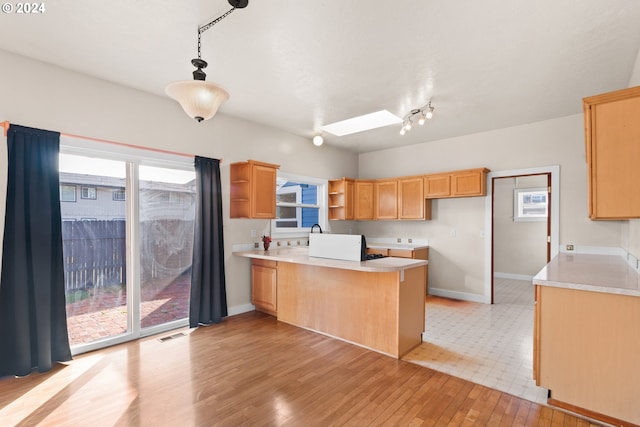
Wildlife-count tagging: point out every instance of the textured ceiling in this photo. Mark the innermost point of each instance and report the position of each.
(296, 65)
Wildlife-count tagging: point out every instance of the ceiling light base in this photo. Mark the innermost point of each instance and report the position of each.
(199, 64)
(238, 4)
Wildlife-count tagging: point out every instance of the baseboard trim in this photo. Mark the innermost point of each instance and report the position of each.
(239, 309)
(464, 296)
(591, 414)
(513, 276)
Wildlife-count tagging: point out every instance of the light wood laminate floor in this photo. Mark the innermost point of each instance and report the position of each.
(252, 370)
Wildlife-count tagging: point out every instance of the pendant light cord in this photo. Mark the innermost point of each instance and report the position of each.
(211, 24)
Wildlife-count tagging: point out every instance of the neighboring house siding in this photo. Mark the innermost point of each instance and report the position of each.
(309, 196)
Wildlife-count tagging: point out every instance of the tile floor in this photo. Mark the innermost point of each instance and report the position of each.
(490, 345)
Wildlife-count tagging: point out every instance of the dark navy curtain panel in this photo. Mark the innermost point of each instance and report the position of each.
(208, 290)
(33, 321)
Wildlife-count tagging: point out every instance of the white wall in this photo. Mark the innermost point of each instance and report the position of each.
(47, 97)
(456, 263)
(631, 229)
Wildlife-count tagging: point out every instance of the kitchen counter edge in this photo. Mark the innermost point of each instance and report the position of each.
(297, 256)
(609, 274)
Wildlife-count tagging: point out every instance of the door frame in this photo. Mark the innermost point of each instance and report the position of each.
(553, 221)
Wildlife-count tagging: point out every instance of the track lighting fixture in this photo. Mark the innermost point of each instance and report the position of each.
(423, 114)
(198, 98)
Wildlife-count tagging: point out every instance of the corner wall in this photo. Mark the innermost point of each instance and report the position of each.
(631, 228)
(43, 96)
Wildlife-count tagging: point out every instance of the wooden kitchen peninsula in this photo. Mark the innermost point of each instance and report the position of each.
(378, 304)
(586, 336)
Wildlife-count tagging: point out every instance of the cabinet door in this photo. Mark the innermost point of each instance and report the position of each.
(263, 288)
(349, 205)
(341, 199)
(363, 200)
(386, 196)
(411, 200)
(437, 185)
(263, 194)
(468, 183)
(613, 154)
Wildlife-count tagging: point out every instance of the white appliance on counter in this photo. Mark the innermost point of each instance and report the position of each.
(346, 247)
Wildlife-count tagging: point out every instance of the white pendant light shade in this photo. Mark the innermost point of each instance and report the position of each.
(199, 99)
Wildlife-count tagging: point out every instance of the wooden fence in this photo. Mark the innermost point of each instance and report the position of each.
(95, 251)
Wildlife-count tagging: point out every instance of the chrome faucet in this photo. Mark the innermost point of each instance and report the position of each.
(314, 226)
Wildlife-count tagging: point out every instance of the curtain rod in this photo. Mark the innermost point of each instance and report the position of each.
(6, 126)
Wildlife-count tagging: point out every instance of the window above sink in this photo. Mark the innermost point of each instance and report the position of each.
(300, 203)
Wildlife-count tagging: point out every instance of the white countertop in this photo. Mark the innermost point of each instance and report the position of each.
(300, 255)
(597, 273)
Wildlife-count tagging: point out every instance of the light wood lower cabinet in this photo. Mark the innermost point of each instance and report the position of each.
(586, 347)
(264, 285)
(383, 311)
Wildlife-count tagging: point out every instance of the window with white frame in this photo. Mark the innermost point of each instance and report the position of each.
(67, 193)
(530, 204)
(300, 203)
(119, 194)
(88, 193)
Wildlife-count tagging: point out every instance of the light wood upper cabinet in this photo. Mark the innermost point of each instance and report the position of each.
(402, 198)
(341, 199)
(463, 183)
(437, 185)
(612, 137)
(471, 182)
(363, 200)
(386, 199)
(411, 200)
(253, 190)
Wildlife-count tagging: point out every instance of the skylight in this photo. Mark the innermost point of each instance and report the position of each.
(361, 123)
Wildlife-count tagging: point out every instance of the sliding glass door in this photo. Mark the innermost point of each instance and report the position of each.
(167, 209)
(127, 242)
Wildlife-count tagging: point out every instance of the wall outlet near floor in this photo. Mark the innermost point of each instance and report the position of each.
(256, 245)
(569, 247)
(410, 240)
(399, 240)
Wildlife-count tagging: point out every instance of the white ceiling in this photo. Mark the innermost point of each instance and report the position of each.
(296, 65)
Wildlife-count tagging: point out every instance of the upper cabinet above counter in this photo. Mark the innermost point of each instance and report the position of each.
(404, 198)
(612, 138)
(253, 190)
(463, 183)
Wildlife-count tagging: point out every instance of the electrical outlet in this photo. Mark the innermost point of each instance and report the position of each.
(278, 242)
(453, 232)
(254, 233)
(288, 242)
(298, 242)
(256, 245)
(569, 247)
(410, 240)
(399, 240)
